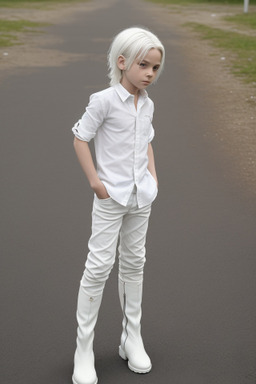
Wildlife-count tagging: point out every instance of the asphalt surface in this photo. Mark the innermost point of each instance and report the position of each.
(199, 298)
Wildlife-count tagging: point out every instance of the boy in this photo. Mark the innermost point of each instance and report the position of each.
(119, 119)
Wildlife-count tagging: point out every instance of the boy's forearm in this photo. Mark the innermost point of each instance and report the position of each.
(151, 162)
(85, 159)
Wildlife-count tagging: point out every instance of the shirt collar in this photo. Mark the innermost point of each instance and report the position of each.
(124, 94)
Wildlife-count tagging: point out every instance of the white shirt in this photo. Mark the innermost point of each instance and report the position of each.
(121, 136)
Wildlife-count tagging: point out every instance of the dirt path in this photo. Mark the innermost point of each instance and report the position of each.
(35, 49)
(234, 100)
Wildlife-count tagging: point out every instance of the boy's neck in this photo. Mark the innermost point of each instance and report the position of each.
(129, 88)
(133, 91)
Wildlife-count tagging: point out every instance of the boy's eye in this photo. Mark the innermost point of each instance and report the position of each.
(142, 65)
(156, 68)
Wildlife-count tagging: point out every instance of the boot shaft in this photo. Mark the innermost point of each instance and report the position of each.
(87, 315)
(132, 347)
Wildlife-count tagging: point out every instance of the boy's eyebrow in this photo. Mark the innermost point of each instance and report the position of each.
(148, 62)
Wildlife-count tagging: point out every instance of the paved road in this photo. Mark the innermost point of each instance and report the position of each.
(199, 304)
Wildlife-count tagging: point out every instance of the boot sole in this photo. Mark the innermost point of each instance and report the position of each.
(75, 382)
(136, 370)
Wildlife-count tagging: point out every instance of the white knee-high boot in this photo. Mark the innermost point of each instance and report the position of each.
(87, 314)
(132, 348)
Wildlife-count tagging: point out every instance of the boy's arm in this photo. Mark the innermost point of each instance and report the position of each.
(85, 158)
(151, 162)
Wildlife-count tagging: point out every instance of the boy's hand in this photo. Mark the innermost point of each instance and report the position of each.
(84, 156)
(101, 191)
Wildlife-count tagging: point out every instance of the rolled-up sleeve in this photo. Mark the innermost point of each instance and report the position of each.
(86, 128)
(152, 131)
(152, 134)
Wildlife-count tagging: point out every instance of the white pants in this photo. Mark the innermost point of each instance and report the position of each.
(112, 222)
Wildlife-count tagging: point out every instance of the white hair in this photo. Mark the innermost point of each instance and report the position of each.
(132, 43)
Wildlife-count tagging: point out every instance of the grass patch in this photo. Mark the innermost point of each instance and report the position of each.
(187, 2)
(245, 19)
(240, 48)
(10, 28)
(34, 3)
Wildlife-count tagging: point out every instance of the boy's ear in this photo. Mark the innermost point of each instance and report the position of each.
(121, 62)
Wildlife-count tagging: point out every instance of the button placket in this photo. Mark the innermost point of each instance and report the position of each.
(136, 149)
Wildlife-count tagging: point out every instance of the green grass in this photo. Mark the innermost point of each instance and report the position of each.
(239, 50)
(33, 3)
(243, 19)
(10, 28)
(187, 2)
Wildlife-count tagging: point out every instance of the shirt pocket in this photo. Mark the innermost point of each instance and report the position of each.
(146, 125)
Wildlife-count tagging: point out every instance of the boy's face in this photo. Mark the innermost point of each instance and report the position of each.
(142, 73)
